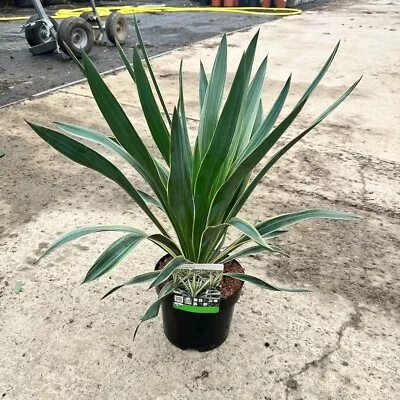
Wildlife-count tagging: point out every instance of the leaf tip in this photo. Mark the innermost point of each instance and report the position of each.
(85, 280)
(31, 124)
(136, 331)
(107, 294)
(37, 260)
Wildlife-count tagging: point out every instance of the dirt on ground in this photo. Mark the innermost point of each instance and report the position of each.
(340, 341)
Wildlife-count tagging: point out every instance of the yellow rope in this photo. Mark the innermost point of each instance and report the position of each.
(104, 11)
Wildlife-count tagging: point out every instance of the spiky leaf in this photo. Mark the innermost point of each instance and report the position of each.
(114, 254)
(260, 283)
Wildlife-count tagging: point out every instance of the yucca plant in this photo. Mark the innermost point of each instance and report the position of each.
(200, 189)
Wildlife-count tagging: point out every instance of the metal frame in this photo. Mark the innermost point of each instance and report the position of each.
(101, 25)
(43, 17)
(52, 43)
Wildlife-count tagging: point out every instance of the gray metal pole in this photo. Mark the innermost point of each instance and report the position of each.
(45, 18)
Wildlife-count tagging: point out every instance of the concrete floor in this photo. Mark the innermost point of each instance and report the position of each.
(341, 341)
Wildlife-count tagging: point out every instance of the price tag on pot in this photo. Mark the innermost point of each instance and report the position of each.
(198, 288)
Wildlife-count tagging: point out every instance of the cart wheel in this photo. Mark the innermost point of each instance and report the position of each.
(36, 31)
(77, 34)
(117, 28)
(89, 16)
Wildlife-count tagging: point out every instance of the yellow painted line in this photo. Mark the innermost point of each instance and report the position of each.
(105, 11)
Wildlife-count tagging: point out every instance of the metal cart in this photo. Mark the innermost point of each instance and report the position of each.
(79, 34)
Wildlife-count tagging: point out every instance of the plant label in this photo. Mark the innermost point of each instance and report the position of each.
(197, 288)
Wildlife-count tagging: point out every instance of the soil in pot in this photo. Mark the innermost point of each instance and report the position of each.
(202, 332)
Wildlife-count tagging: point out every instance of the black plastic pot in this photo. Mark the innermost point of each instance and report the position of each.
(254, 3)
(201, 332)
(205, 3)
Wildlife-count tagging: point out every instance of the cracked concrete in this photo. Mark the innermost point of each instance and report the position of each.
(339, 342)
(353, 321)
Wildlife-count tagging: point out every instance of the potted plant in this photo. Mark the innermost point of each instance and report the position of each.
(200, 189)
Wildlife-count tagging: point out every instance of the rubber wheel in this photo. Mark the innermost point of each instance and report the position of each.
(37, 33)
(77, 34)
(117, 28)
(89, 16)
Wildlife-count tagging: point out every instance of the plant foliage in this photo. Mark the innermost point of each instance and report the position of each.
(234, 137)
